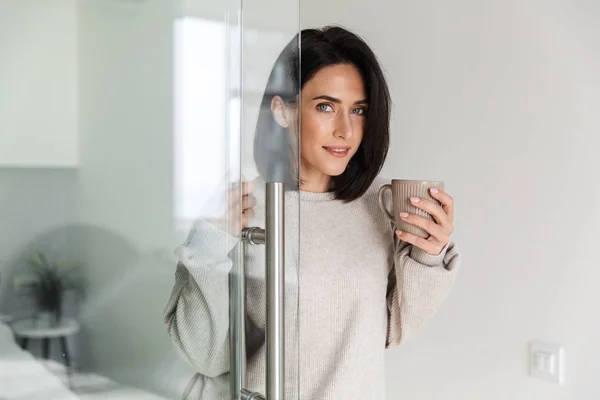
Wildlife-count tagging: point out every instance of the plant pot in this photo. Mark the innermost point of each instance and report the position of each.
(47, 318)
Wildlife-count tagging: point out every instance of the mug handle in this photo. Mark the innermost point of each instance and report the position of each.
(381, 205)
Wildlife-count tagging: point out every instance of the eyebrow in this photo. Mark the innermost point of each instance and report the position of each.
(337, 101)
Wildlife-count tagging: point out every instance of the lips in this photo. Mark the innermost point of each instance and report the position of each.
(338, 151)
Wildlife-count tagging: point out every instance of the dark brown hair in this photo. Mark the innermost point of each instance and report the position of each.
(301, 59)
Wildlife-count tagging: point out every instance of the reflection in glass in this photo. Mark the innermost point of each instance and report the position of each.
(197, 313)
(86, 200)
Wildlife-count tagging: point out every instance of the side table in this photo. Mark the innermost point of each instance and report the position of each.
(26, 330)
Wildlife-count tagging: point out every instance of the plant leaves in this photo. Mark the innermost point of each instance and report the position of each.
(34, 259)
(48, 282)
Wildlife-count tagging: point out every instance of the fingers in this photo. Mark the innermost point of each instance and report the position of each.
(248, 201)
(243, 190)
(446, 200)
(248, 204)
(439, 229)
(429, 246)
(437, 233)
(436, 211)
(247, 187)
(247, 217)
(241, 201)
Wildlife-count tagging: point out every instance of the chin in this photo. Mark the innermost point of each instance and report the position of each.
(334, 170)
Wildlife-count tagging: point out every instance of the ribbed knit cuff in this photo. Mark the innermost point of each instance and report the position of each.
(422, 257)
(207, 243)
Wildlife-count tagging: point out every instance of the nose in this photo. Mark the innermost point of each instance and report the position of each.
(343, 127)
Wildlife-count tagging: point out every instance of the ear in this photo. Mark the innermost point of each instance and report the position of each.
(279, 110)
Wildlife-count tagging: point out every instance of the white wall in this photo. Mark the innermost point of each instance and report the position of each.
(500, 100)
(38, 81)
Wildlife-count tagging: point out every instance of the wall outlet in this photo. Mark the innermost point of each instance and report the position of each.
(546, 361)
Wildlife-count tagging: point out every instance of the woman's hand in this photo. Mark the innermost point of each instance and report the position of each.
(240, 201)
(246, 207)
(439, 229)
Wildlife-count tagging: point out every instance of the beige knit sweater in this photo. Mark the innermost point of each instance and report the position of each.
(356, 290)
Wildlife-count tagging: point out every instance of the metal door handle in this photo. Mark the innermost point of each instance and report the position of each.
(274, 239)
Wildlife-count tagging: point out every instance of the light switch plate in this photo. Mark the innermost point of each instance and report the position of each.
(546, 361)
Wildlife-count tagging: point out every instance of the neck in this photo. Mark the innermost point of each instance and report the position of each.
(315, 184)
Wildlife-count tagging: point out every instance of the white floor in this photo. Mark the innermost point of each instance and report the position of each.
(90, 386)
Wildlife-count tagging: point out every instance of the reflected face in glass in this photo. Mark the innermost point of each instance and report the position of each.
(334, 107)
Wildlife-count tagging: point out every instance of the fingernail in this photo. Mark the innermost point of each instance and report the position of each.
(434, 190)
(403, 214)
(399, 232)
(415, 199)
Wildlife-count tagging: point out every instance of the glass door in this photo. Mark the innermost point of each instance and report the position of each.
(233, 310)
(148, 198)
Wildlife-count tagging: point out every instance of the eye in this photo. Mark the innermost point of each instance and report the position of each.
(324, 107)
(359, 111)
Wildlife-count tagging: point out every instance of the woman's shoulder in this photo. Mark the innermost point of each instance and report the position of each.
(378, 182)
(370, 199)
(371, 209)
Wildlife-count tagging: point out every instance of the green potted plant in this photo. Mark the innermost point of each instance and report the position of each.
(47, 283)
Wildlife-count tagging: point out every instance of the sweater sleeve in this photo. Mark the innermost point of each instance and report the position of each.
(197, 312)
(418, 284)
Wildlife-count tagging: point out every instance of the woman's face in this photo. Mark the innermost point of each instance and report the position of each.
(334, 106)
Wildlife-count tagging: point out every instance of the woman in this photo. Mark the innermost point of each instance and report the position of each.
(361, 285)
